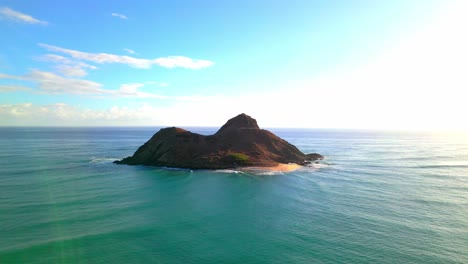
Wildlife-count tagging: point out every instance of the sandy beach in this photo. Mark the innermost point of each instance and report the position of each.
(281, 167)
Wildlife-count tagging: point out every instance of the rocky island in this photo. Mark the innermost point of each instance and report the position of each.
(238, 143)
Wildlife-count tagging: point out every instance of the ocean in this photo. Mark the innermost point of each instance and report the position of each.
(378, 197)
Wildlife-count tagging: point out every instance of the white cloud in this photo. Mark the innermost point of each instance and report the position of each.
(181, 61)
(119, 15)
(101, 58)
(16, 16)
(130, 51)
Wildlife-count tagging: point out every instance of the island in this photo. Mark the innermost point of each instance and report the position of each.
(238, 143)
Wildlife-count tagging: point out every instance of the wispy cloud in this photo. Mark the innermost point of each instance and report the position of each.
(71, 70)
(8, 76)
(13, 88)
(130, 51)
(51, 83)
(68, 67)
(131, 90)
(163, 84)
(121, 16)
(16, 16)
(101, 58)
(181, 61)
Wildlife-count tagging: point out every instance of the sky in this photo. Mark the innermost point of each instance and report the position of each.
(358, 64)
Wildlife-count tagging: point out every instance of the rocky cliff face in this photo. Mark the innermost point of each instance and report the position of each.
(238, 143)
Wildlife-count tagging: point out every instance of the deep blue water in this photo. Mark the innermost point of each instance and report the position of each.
(379, 197)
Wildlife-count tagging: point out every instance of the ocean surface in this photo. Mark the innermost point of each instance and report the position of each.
(379, 197)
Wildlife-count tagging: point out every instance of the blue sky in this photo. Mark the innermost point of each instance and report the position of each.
(338, 64)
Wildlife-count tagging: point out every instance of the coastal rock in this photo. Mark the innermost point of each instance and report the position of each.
(238, 143)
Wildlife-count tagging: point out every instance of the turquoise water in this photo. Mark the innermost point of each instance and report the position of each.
(378, 198)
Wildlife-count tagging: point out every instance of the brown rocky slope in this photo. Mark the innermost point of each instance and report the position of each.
(238, 143)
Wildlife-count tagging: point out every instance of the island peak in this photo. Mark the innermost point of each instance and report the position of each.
(241, 121)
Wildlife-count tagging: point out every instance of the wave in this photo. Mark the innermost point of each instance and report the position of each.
(229, 171)
(453, 166)
(318, 165)
(102, 160)
(168, 168)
